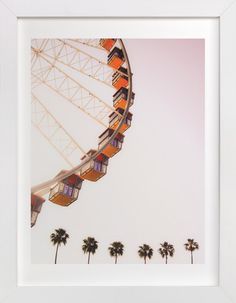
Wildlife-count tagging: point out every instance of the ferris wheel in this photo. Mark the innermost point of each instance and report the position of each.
(92, 76)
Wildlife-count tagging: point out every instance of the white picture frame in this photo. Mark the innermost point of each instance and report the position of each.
(10, 12)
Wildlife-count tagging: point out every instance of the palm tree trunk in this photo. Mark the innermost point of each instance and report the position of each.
(56, 253)
(145, 261)
(166, 259)
(116, 259)
(88, 257)
(191, 257)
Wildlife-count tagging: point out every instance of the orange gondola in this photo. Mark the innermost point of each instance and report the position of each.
(114, 146)
(120, 78)
(114, 120)
(116, 58)
(120, 98)
(95, 168)
(67, 191)
(107, 43)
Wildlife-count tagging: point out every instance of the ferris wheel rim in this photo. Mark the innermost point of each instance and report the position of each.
(44, 185)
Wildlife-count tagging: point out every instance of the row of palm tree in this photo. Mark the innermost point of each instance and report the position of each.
(116, 249)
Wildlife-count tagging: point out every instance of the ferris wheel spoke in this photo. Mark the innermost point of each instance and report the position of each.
(33, 59)
(86, 54)
(87, 69)
(34, 82)
(44, 43)
(83, 62)
(89, 42)
(65, 52)
(55, 133)
(70, 89)
(79, 103)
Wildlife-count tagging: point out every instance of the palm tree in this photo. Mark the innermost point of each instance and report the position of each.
(116, 249)
(145, 251)
(60, 236)
(191, 245)
(166, 250)
(90, 246)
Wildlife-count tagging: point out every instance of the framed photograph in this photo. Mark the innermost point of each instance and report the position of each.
(118, 151)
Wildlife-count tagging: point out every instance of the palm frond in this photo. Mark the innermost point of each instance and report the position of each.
(90, 245)
(116, 249)
(191, 245)
(59, 236)
(166, 249)
(145, 251)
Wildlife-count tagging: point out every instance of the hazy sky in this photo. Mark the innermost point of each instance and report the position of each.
(154, 188)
